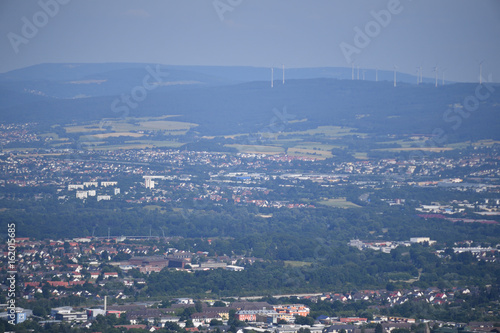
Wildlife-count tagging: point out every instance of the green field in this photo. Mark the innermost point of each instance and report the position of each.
(155, 208)
(430, 149)
(292, 263)
(463, 145)
(257, 149)
(140, 144)
(338, 203)
(133, 125)
(360, 156)
(328, 131)
(304, 152)
(95, 135)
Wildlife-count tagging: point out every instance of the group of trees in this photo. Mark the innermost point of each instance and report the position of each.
(339, 268)
(293, 231)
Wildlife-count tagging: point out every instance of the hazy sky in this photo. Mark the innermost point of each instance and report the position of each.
(455, 35)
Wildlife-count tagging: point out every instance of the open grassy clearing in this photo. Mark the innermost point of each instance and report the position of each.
(419, 144)
(317, 146)
(360, 155)
(81, 128)
(317, 154)
(156, 125)
(329, 131)
(154, 208)
(313, 149)
(139, 144)
(461, 145)
(165, 144)
(112, 135)
(292, 263)
(338, 203)
(289, 141)
(257, 149)
(184, 210)
(166, 125)
(405, 143)
(486, 143)
(465, 144)
(133, 124)
(430, 149)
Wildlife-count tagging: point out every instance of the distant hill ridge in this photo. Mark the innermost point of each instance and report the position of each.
(229, 100)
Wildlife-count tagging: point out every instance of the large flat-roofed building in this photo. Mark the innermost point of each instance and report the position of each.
(67, 313)
(292, 309)
(422, 240)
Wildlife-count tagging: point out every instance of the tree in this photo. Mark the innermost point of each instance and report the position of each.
(301, 320)
(186, 314)
(219, 304)
(232, 314)
(172, 326)
(198, 306)
(215, 322)
(46, 291)
(122, 256)
(379, 329)
(165, 304)
(40, 311)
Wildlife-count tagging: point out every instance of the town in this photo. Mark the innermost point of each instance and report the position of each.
(156, 269)
(109, 272)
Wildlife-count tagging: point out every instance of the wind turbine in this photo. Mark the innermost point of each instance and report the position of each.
(481, 72)
(442, 77)
(376, 74)
(283, 73)
(419, 74)
(358, 72)
(272, 76)
(395, 68)
(364, 74)
(436, 71)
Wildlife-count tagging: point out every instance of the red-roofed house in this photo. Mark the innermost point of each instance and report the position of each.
(58, 284)
(110, 275)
